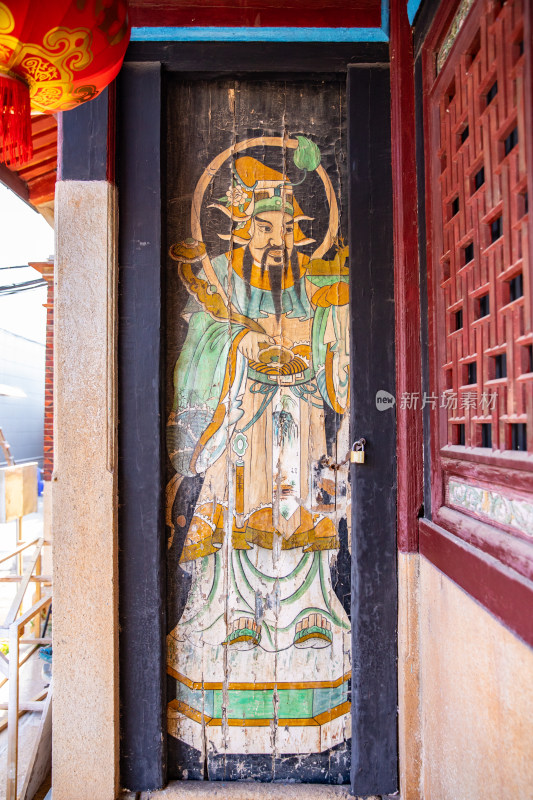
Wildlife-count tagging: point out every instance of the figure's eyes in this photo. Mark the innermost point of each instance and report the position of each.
(289, 229)
(265, 228)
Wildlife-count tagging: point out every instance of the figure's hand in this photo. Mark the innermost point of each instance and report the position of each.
(252, 344)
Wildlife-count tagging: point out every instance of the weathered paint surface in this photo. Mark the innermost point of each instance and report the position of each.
(257, 389)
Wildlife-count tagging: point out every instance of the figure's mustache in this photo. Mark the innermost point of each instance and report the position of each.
(277, 273)
(283, 261)
(278, 254)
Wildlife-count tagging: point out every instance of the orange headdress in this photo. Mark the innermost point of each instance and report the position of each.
(255, 187)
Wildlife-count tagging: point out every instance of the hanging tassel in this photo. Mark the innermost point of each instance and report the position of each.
(15, 122)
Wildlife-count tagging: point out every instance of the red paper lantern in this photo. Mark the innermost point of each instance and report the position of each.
(54, 55)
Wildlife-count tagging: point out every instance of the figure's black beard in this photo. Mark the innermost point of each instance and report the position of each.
(276, 274)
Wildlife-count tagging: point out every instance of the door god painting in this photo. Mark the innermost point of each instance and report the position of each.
(257, 427)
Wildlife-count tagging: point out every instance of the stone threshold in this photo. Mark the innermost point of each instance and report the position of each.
(200, 790)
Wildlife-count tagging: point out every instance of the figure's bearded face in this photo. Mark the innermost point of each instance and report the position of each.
(272, 238)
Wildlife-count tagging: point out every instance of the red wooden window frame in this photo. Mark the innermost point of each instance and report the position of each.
(490, 28)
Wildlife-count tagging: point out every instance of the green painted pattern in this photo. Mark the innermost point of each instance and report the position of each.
(326, 699)
(292, 598)
(317, 337)
(260, 377)
(202, 362)
(200, 699)
(327, 280)
(313, 629)
(302, 589)
(249, 704)
(305, 612)
(244, 632)
(235, 584)
(266, 628)
(268, 578)
(220, 616)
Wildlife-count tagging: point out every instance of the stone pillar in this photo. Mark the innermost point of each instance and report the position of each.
(85, 606)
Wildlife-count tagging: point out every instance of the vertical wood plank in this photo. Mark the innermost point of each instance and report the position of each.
(41, 756)
(406, 288)
(13, 713)
(85, 123)
(422, 256)
(141, 565)
(374, 581)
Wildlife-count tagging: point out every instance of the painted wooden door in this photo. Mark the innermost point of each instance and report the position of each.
(257, 423)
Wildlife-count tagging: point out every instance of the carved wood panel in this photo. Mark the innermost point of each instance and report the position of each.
(481, 245)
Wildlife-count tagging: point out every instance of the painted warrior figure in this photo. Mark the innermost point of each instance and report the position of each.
(266, 352)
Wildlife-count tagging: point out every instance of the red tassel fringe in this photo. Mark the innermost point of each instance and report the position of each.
(15, 122)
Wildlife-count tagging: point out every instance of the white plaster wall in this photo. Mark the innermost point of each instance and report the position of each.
(476, 690)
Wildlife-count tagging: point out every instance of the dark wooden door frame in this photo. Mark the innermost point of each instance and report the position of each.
(141, 524)
(374, 565)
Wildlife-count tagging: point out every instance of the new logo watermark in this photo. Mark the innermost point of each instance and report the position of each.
(384, 400)
(484, 401)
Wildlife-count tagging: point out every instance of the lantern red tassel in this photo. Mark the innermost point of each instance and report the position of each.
(53, 56)
(15, 121)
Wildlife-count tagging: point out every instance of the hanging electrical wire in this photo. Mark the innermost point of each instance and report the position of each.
(22, 287)
(21, 266)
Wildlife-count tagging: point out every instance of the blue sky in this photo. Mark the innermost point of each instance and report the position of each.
(24, 236)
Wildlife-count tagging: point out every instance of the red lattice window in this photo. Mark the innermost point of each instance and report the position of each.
(478, 145)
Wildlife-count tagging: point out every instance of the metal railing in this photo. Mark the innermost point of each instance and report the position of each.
(14, 626)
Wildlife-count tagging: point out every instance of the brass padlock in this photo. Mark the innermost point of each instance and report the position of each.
(357, 454)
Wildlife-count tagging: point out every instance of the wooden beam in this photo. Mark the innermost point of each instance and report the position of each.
(42, 189)
(40, 640)
(19, 597)
(142, 553)
(4, 664)
(26, 705)
(22, 661)
(31, 612)
(18, 550)
(406, 278)
(41, 757)
(83, 137)
(263, 13)
(10, 179)
(507, 595)
(222, 58)
(13, 714)
(374, 768)
(40, 696)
